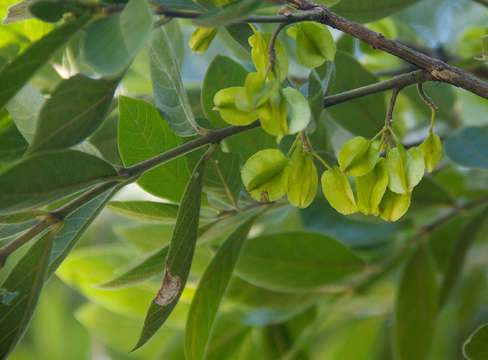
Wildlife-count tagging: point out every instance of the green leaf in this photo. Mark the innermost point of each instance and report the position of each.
(152, 263)
(222, 73)
(228, 14)
(74, 111)
(416, 308)
(16, 73)
(210, 292)
(180, 254)
(430, 192)
(74, 226)
(8, 230)
(24, 108)
(224, 167)
(169, 93)
(53, 10)
(469, 147)
(369, 10)
(12, 144)
(111, 43)
(142, 135)
(88, 266)
(146, 210)
(118, 331)
(42, 178)
(296, 261)
(458, 254)
(144, 268)
(24, 283)
(476, 347)
(360, 116)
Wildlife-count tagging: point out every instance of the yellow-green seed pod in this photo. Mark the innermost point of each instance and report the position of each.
(272, 116)
(302, 178)
(338, 191)
(259, 52)
(405, 169)
(265, 175)
(358, 156)
(371, 188)
(432, 150)
(256, 92)
(201, 39)
(314, 43)
(393, 206)
(224, 101)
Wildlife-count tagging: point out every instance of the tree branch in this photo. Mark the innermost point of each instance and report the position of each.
(436, 67)
(399, 81)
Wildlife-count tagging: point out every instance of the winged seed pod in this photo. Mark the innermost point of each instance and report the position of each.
(272, 115)
(259, 52)
(314, 43)
(393, 206)
(224, 101)
(358, 156)
(201, 39)
(256, 92)
(432, 150)
(405, 169)
(371, 188)
(265, 175)
(338, 191)
(302, 178)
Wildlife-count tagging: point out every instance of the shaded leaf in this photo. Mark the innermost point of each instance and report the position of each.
(74, 226)
(180, 254)
(111, 43)
(210, 292)
(469, 147)
(25, 283)
(18, 71)
(169, 93)
(296, 261)
(42, 178)
(416, 308)
(143, 134)
(360, 116)
(24, 108)
(12, 144)
(476, 347)
(458, 255)
(74, 111)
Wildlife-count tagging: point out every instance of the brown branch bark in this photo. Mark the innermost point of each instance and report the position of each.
(439, 69)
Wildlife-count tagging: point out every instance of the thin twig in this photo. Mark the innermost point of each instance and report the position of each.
(391, 107)
(271, 48)
(399, 81)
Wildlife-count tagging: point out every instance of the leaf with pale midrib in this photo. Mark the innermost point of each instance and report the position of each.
(25, 282)
(180, 253)
(48, 176)
(74, 111)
